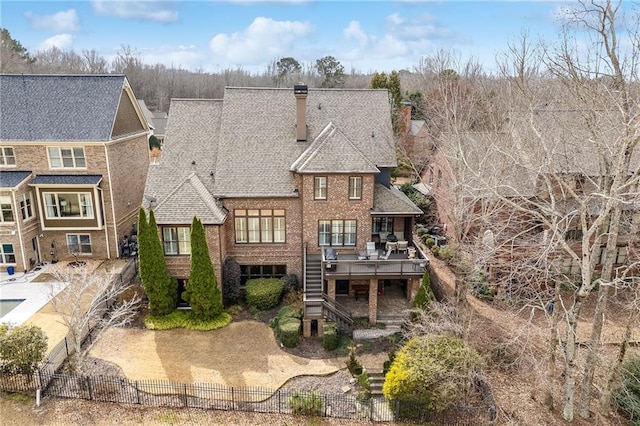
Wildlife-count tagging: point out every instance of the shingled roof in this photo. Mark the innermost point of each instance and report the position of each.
(391, 201)
(59, 107)
(245, 146)
(13, 178)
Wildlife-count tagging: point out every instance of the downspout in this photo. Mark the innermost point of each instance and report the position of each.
(106, 230)
(15, 203)
(113, 207)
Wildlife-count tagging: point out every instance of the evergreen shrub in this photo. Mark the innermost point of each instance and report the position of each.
(289, 331)
(264, 293)
(330, 336)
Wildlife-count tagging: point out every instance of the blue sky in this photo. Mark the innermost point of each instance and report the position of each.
(215, 35)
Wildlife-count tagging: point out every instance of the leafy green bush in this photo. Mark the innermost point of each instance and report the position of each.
(290, 283)
(186, 319)
(290, 312)
(330, 336)
(446, 253)
(22, 348)
(289, 331)
(431, 370)
(480, 286)
(306, 404)
(429, 242)
(264, 293)
(627, 396)
(231, 274)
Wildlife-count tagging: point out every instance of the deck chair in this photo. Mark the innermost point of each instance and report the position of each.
(371, 247)
(386, 255)
(403, 246)
(383, 236)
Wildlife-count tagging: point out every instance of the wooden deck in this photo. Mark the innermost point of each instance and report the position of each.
(397, 266)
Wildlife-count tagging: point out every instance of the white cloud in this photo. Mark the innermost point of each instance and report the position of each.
(355, 31)
(66, 21)
(60, 41)
(403, 39)
(261, 41)
(184, 57)
(160, 11)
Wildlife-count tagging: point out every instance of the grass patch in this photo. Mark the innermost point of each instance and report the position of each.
(186, 319)
(18, 397)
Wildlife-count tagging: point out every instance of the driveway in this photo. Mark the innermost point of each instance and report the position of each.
(245, 353)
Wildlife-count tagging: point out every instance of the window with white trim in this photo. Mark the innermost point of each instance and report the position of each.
(68, 205)
(7, 254)
(66, 157)
(79, 243)
(6, 210)
(176, 240)
(26, 209)
(260, 226)
(355, 187)
(337, 232)
(320, 188)
(7, 156)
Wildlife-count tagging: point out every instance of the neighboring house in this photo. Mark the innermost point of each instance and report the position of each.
(73, 162)
(157, 121)
(554, 168)
(278, 175)
(415, 141)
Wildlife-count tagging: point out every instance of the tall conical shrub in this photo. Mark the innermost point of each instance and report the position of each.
(202, 291)
(161, 289)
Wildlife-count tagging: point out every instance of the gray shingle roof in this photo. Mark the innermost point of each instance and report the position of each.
(245, 146)
(390, 201)
(58, 107)
(333, 152)
(13, 178)
(188, 199)
(66, 180)
(258, 141)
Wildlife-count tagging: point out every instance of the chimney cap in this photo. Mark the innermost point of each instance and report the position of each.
(300, 89)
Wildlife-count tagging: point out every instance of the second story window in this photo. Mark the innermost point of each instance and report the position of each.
(25, 206)
(68, 205)
(176, 240)
(320, 188)
(7, 157)
(6, 210)
(355, 188)
(66, 157)
(260, 226)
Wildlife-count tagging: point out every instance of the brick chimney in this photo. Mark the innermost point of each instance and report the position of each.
(300, 91)
(405, 114)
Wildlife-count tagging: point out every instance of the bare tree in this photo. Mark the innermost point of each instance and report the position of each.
(90, 302)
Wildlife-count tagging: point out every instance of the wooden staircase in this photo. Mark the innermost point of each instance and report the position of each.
(376, 380)
(317, 304)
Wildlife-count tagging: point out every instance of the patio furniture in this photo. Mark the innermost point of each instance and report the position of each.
(386, 255)
(391, 246)
(371, 247)
(403, 246)
(360, 290)
(329, 255)
(399, 236)
(373, 255)
(411, 252)
(383, 237)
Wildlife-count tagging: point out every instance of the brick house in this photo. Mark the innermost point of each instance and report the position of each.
(558, 166)
(73, 162)
(277, 176)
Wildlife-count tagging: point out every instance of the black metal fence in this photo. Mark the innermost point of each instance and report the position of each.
(160, 393)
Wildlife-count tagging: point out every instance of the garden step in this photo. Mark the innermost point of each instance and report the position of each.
(376, 380)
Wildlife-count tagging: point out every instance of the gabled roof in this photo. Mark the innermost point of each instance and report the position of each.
(59, 107)
(188, 199)
(390, 201)
(333, 152)
(148, 115)
(13, 178)
(257, 144)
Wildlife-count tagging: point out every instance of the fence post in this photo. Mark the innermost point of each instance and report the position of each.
(397, 410)
(89, 387)
(233, 399)
(279, 402)
(137, 392)
(370, 409)
(186, 397)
